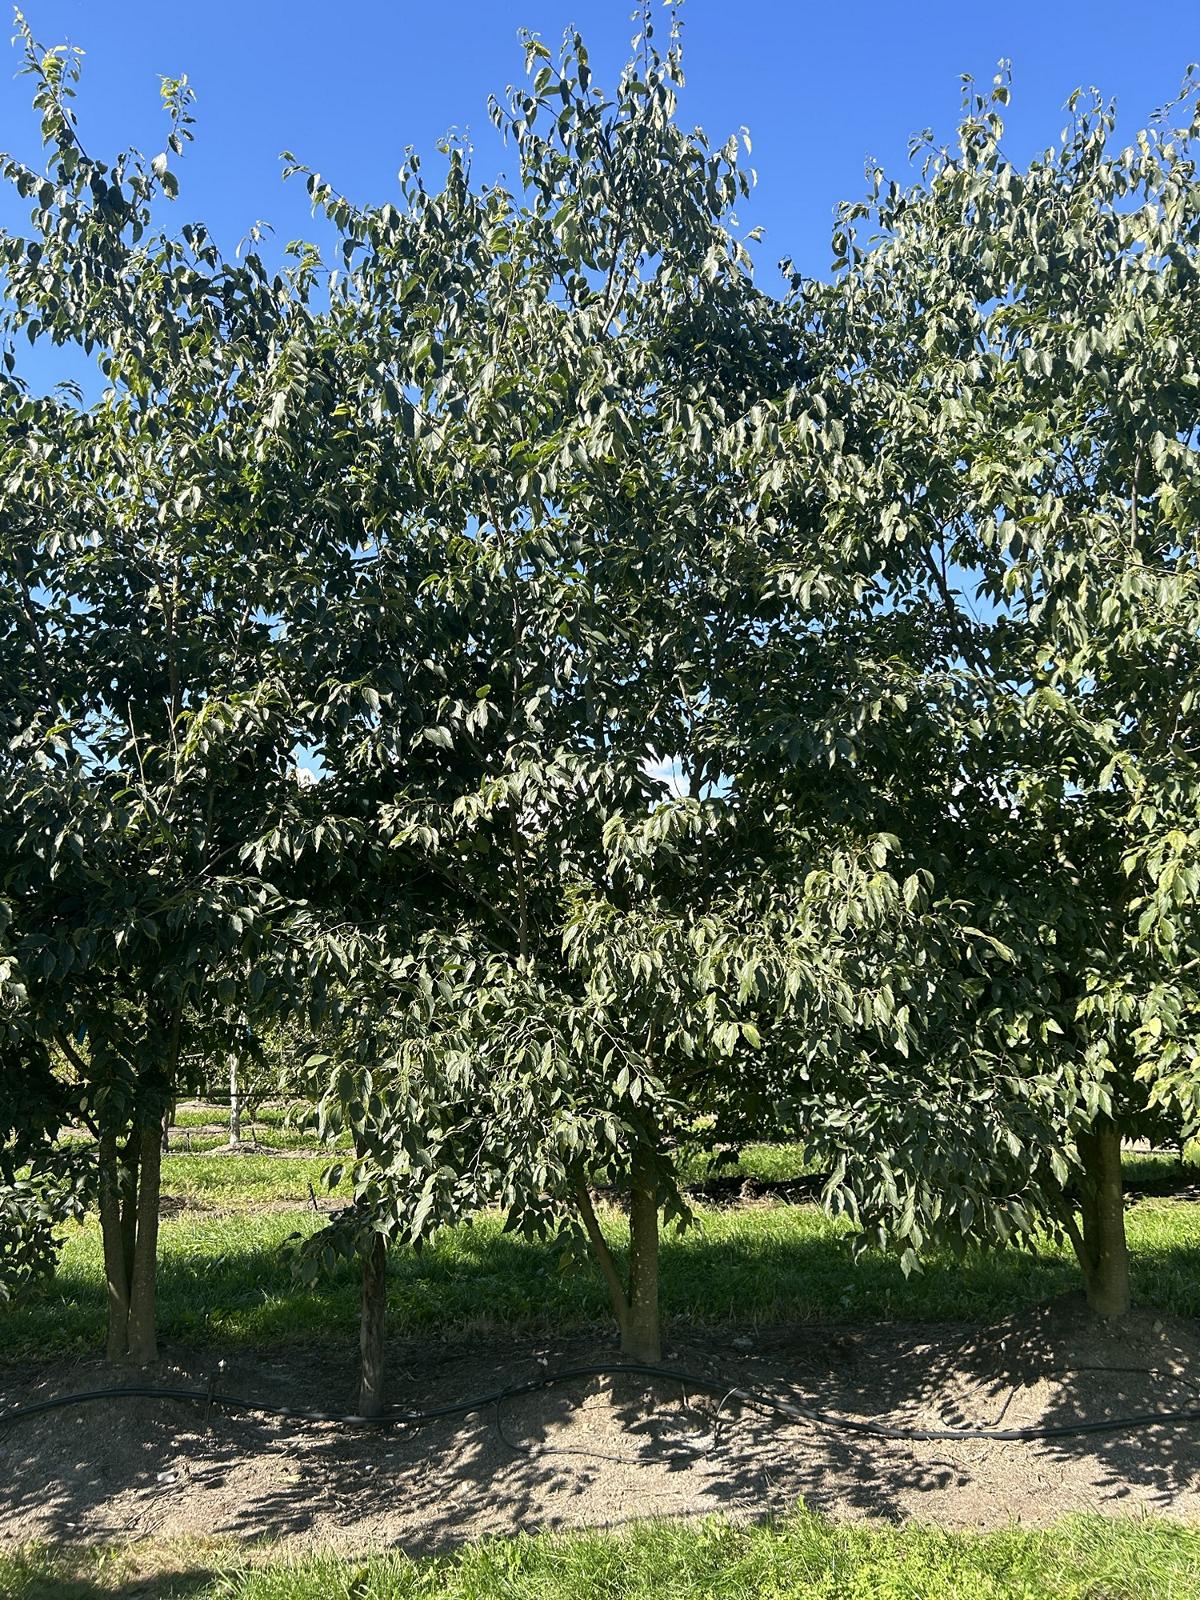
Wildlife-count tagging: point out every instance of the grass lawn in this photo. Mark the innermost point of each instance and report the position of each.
(797, 1558)
(272, 1125)
(225, 1280)
(262, 1176)
(198, 1113)
(279, 1177)
(245, 1180)
(249, 1178)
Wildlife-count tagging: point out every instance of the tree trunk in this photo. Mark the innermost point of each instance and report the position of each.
(142, 1340)
(641, 1338)
(112, 1234)
(635, 1308)
(235, 1105)
(1102, 1247)
(372, 1326)
(127, 1173)
(608, 1267)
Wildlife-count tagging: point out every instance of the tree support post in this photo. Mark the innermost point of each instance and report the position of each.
(235, 1104)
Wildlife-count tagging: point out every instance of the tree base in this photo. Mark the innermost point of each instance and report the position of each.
(644, 1347)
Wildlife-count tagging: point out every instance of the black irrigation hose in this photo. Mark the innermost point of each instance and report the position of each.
(457, 1408)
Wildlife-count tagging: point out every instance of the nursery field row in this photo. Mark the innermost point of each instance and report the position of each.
(225, 1277)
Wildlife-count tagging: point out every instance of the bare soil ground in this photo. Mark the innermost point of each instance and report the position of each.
(601, 1451)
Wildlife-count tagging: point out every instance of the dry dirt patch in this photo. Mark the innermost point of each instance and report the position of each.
(601, 1451)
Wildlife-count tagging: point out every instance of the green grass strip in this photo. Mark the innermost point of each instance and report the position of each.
(225, 1280)
(800, 1557)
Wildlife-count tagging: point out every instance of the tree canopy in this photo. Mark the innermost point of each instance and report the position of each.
(488, 515)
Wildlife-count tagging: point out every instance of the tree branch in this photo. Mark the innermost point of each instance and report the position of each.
(608, 1266)
(966, 647)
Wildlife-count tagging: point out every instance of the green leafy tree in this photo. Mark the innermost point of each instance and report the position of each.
(545, 387)
(148, 743)
(1019, 350)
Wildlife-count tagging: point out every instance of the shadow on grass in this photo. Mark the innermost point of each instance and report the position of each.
(61, 1574)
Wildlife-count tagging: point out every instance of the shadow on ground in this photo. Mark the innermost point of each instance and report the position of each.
(601, 1451)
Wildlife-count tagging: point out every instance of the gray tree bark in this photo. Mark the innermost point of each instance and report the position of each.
(1101, 1245)
(142, 1341)
(641, 1336)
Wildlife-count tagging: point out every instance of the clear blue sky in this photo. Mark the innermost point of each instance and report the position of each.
(822, 87)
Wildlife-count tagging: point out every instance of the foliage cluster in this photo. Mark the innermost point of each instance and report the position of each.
(348, 629)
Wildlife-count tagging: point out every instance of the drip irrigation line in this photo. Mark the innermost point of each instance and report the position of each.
(397, 1415)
